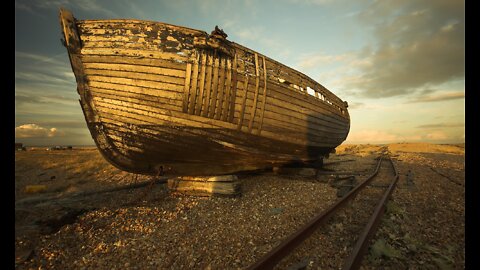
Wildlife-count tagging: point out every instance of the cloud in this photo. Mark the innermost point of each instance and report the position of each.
(436, 135)
(65, 124)
(21, 99)
(85, 5)
(439, 97)
(441, 125)
(41, 69)
(36, 131)
(372, 136)
(355, 105)
(311, 2)
(318, 59)
(418, 44)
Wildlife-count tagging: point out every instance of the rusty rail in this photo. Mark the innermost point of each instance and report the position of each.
(269, 260)
(354, 261)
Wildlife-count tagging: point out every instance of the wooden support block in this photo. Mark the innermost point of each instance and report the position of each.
(228, 185)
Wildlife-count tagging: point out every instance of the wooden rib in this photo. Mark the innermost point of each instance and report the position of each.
(211, 109)
(202, 85)
(234, 90)
(262, 109)
(221, 88)
(255, 99)
(193, 89)
(187, 87)
(242, 110)
(226, 103)
(206, 102)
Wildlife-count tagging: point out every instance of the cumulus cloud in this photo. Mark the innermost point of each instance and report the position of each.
(419, 43)
(36, 131)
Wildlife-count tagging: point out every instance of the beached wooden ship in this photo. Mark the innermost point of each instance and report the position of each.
(166, 99)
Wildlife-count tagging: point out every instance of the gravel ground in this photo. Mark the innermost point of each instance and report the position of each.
(150, 228)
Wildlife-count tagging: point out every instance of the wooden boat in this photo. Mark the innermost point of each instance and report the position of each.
(166, 99)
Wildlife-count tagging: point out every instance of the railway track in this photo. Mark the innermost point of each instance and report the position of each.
(361, 209)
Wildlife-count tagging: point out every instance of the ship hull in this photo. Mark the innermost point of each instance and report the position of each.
(164, 99)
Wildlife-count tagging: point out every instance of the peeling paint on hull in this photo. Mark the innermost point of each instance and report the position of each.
(164, 98)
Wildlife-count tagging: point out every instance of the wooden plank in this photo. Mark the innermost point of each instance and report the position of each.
(199, 188)
(208, 87)
(138, 90)
(280, 99)
(211, 110)
(226, 103)
(152, 54)
(137, 68)
(305, 80)
(221, 88)
(273, 118)
(114, 59)
(277, 91)
(136, 99)
(120, 44)
(131, 117)
(290, 115)
(199, 101)
(285, 102)
(187, 87)
(135, 76)
(134, 25)
(193, 89)
(262, 108)
(138, 83)
(72, 40)
(234, 90)
(173, 117)
(254, 106)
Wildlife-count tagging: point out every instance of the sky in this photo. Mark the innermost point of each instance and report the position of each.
(399, 64)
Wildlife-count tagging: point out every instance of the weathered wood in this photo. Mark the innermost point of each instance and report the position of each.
(193, 90)
(226, 103)
(221, 88)
(206, 186)
(211, 109)
(136, 75)
(206, 103)
(157, 95)
(152, 54)
(198, 106)
(255, 99)
(244, 100)
(187, 87)
(234, 90)
(137, 68)
(262, 108)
